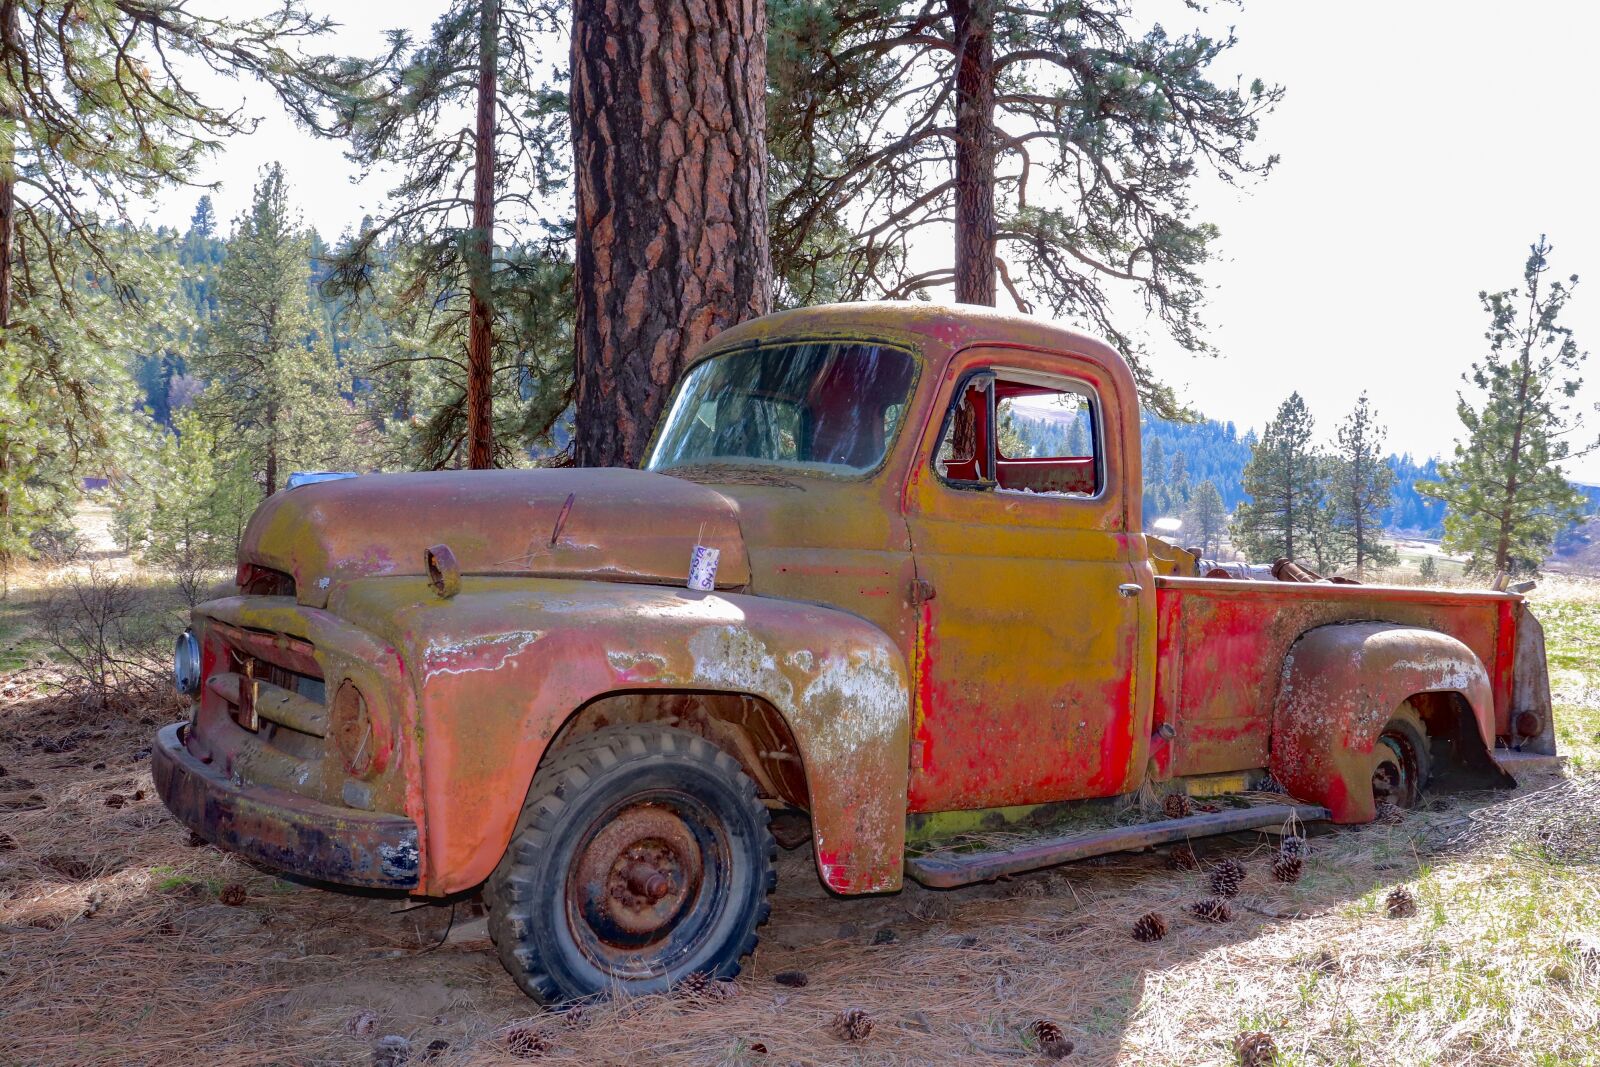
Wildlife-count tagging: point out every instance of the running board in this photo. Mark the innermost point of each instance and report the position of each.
(945, 870)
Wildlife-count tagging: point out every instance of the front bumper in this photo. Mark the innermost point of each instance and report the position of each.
(281, 830)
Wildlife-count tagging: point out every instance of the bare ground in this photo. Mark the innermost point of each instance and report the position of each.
(116, 946)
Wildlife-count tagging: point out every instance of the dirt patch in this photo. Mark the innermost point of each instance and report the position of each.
(121, 942)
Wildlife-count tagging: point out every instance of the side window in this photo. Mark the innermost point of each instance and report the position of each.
(1023, 434)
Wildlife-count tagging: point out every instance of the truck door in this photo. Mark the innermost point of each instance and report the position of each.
(1033, 654)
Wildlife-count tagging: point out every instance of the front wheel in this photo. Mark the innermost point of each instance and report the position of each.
(1400, 760)
(642, 856)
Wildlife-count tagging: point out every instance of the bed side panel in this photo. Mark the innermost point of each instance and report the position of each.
(1220, 671)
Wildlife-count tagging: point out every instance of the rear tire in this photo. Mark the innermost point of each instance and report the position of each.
(1401, 760)
(642, 856)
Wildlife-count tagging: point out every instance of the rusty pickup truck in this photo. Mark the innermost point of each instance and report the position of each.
(921, 618)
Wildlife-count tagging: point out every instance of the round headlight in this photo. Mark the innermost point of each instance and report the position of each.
(358, 733)
(186, 664)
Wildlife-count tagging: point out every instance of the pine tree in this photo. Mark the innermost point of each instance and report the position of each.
(1429, 570)
(1050, 147)
(67, 400)
(1208, 519)
(1326, 543)
(185, 509)
(1285, 480)
(98, 112)
(1505, 491)
(270, 372)
(1361, 487)
(1155, 480)
(203, 223)
(463, 281)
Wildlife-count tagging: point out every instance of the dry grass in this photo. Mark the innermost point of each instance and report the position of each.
(115, 947)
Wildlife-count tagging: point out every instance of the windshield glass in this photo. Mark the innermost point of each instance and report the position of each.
(829, 406)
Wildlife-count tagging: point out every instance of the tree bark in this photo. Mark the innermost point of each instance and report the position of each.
(271, 472)
(10, 116)
(973, 22)
(669, 147)
(480, 263)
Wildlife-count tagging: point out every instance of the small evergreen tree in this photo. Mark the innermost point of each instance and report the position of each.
(1360, 488)
(1328, 545)
(1429, 570)
(1285, 480)
(1506, 493)
(186, 509)
(271, 377)
(1208, 518)
(1178, 488)
(1155, 480)
(203, 223)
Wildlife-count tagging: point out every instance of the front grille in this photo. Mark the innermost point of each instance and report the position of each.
(272, 686)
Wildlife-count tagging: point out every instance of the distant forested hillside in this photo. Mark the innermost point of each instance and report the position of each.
(1216, 452)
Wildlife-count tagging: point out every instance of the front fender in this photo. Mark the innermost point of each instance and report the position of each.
(500, 667)
(1341, 684)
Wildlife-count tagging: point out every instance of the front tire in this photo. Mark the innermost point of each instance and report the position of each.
(642, 856)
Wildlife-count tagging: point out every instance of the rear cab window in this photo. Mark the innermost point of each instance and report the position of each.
(1020, 432)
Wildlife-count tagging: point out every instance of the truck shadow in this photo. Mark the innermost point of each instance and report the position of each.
(968, 971)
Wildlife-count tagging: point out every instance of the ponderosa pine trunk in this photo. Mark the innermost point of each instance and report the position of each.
(973, 22)
(10, 117)
(480, 265)
(670, 160)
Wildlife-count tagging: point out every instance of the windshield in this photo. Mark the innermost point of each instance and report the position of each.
(830, 406)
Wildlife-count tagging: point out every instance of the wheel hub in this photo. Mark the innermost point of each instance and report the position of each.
(638, 877)
(1393, 772)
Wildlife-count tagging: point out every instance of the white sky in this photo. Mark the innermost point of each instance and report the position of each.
(1424, 145)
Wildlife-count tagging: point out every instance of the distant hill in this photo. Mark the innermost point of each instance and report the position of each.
(1216, 451)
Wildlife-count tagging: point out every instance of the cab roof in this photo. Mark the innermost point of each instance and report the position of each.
(948, 326)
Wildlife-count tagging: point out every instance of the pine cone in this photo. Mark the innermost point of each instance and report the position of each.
(1226, 878)
(1255, 1049)
(1177, 806)
(115, 800)
(1293, 846)
(695, 984)
(1389, 814)
(1150, 927)
(1400, 903)
(1212, 910)
(792, 979)
(1052, 1042)
(391, 1051)
(233, 894)
(852, 1025)
(1287, 868)
(1182, 858)
(526, 1042)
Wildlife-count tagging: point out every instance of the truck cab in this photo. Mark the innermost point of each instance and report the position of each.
(932, 605)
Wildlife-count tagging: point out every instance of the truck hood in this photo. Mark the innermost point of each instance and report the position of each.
(609, 524)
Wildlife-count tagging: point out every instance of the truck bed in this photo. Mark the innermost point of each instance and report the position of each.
(1221, 646)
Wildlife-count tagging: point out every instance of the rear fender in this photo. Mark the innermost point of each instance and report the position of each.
(1342, 683)
(501, 667)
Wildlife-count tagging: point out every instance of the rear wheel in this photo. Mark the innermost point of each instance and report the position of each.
(1400, 760)
(642, 856)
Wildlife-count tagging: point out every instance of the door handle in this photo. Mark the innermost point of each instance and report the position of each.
(1129, 589)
